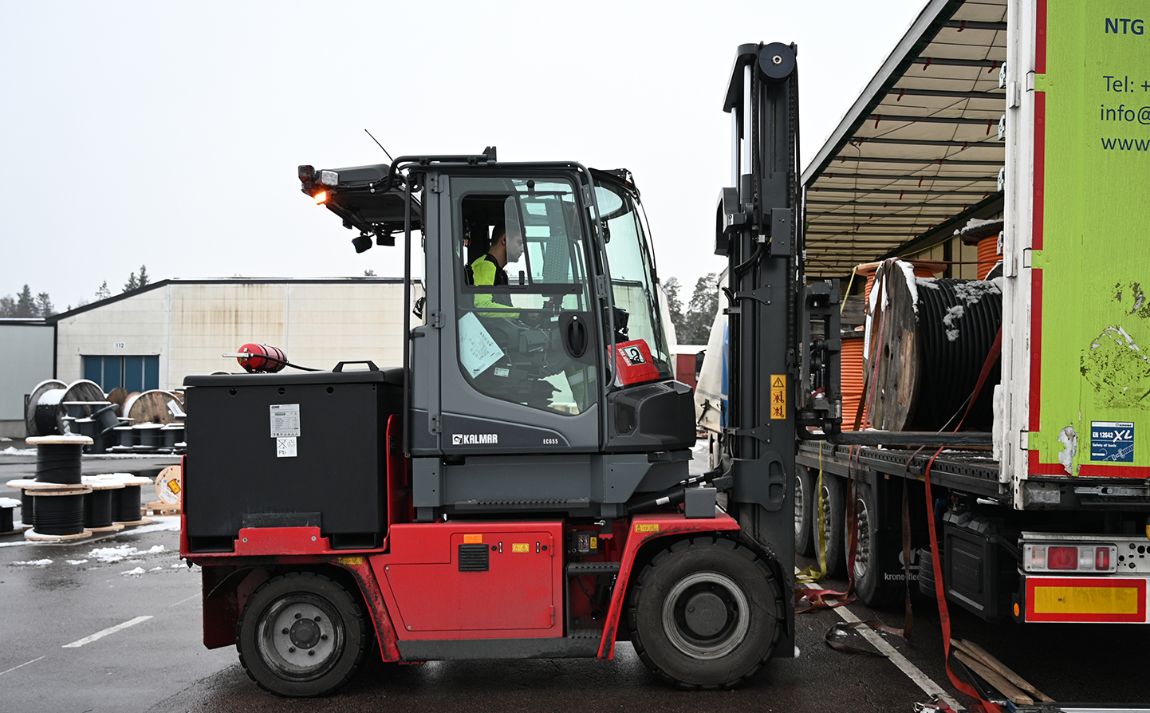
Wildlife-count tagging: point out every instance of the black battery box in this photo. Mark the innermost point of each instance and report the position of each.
(288, 450)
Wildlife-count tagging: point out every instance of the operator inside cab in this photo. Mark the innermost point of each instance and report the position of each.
(488, 270)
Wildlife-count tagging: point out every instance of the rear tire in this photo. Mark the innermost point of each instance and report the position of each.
(834, 524)
(706, 613)
(805, 503)
(301, 635)
(875, 552)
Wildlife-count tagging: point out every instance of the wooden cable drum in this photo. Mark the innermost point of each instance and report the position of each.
(851, 380)
(118, 396)
(922, 268)
(987, 255)
(928, 342)
(154, 406)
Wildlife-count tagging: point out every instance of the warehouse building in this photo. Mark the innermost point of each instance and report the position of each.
(151, 338)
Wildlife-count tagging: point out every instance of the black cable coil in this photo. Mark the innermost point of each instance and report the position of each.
(60, 514)
(27, 507)
(126, 504)
(949, 368)
(98, 508)
(58, 463)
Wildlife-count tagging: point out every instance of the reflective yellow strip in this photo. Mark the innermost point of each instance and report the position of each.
(1085, 600)
(646, 527)
(520, 547)
(353, 561)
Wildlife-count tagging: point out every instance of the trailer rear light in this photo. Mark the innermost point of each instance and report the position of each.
(320, 197)
(1062, 558)
(1069, 558)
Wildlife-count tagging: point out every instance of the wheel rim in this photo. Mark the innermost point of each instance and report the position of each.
(301, 636)
(706, 615)
(862, 539)
(800, 508)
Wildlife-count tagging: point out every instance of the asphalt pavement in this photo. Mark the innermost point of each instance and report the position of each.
(113, 624)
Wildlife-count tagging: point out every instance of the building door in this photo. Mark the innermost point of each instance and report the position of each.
(133, 373)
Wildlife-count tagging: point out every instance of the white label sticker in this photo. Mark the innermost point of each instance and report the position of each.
(286, 447)
(285, 421)
(477, 350)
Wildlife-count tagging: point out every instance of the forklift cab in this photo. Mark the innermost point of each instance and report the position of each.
(548, 342)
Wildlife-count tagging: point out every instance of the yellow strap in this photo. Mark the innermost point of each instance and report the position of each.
(811, 574)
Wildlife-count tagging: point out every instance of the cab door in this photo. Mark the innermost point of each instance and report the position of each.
(520, 347)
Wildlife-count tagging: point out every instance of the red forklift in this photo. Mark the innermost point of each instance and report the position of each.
(519, 486)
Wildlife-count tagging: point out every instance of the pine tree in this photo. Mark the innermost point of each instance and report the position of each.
(143, 278)
(671, 288)
(44, 305)
(103, 293)
(369, 273)
(7, 306)
(132, 283)
(25, 303)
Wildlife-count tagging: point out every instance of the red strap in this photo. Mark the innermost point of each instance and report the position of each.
(935, 560)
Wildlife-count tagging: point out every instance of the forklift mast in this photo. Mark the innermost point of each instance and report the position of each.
(759, 228)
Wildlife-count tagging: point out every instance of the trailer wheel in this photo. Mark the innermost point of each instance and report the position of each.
(805, 502)
(706, 613)
(301, 635)
(873, 553)
(834, 524)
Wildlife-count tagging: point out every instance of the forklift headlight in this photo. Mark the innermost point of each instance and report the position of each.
(329, 178)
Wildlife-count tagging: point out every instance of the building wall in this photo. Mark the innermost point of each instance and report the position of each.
(25, 360)
(190, 325)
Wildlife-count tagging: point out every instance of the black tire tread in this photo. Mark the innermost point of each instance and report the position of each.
(358, 619)
(660, 559)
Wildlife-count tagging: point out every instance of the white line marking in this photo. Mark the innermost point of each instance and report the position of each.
(20, 666)
(185, 599)
(101, 634)
(914, 673)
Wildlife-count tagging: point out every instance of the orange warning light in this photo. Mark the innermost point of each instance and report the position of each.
(320, 198)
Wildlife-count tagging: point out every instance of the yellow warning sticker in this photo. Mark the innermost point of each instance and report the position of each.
(520, 547)
(595, 541)
(646, 527)
(352, 561)
(778, 396)
(473, 539)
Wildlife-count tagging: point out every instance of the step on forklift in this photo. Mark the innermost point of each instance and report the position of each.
(519, 486)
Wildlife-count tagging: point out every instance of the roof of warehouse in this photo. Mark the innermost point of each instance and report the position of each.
(918, 153)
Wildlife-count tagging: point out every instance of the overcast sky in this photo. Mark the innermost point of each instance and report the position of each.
(168, 134)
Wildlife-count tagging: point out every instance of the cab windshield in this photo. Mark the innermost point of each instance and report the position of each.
(632, 275)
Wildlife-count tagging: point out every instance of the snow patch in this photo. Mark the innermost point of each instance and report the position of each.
(32, 563)
(109, 555)
(133, 572)
(13, 451)
(928, 282)
(76, 561)
(8, 502)
(167, 523)
(911, 282)
(948, 320)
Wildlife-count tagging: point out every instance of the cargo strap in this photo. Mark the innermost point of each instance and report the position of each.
(936, 560)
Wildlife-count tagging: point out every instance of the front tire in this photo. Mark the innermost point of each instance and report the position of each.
(706, 613)
(301, 635)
